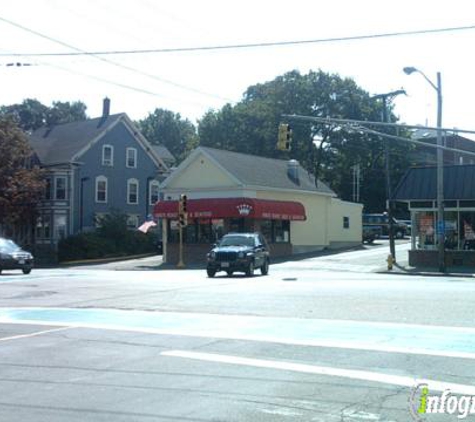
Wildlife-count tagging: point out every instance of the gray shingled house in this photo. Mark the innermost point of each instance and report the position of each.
(94, 166)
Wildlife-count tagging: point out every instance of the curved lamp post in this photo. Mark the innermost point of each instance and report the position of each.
(440, 166)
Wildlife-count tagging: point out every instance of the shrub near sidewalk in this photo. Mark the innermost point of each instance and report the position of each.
(111, 239)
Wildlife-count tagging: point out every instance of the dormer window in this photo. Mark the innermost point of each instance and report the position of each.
(107, 155)
(131, 158)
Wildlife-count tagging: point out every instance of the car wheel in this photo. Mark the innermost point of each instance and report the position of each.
(250, 269)
(399, 235)
(211, 272)
(265, 267)
(26, 270)
(229, 273)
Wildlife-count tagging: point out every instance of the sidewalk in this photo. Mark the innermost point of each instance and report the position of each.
(402, 267)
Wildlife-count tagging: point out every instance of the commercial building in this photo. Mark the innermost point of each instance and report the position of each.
(228, 191)
(418, 189)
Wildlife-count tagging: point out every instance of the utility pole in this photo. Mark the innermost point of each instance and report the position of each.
(356, 182)
(387, 119)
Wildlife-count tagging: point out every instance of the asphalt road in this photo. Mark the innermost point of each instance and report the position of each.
(323, 339)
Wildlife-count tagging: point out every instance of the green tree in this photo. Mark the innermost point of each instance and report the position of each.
(31, 114)
(327, 151)
(21, 182)
(171, 130)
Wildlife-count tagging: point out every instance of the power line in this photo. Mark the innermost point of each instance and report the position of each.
(244, 46)
(78, 51)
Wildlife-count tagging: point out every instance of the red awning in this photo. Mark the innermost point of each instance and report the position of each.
(234, 208)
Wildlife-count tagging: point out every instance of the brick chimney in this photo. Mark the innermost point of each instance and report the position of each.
(106, 108)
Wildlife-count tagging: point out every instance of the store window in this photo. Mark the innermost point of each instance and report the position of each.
(467, 230)
(425, 230)
(266, 230)
(281, 231)
(452, 240)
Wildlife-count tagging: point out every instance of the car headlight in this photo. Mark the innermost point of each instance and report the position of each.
(250, 254)
(212, 255)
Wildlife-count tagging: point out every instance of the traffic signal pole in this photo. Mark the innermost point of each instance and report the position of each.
(181, 263)
(182, 223)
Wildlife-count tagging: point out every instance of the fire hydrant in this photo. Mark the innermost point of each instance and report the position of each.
(390, 262)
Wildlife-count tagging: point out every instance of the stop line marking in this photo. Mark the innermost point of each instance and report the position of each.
(359, 375)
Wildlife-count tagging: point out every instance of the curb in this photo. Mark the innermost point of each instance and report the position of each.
(427, 274)
(104, 260)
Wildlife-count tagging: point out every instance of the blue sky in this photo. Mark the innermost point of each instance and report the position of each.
(191, 83)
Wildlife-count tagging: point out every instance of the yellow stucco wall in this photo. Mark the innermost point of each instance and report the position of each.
(340, 209)
(314, 230)
(323, 227)
(201, 173)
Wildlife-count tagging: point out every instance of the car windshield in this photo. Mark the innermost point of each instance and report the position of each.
(7, 246)
(237, 241)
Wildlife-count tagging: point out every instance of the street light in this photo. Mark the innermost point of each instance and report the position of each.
(440, 166)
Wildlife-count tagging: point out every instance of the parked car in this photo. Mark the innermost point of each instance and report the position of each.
(239, 252)
(408, 224)
(370, 233)
(382, 220)
(12, 257)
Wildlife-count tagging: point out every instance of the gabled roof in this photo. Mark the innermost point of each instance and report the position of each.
(164, 153)
(253, 170)
(420, 183)
(60, 143)
(64, 143)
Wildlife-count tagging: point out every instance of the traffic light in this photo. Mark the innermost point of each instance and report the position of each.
(284, 138)
(182, 211)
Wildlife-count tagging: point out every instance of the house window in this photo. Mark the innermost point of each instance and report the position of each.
(60, 187)
(101, 189)
(132, 221)
(43, 225)
(48, 188)
(154, 192)
(132, 191)
(346, 222)
(131, 158)
(107, 155)
(59, 226)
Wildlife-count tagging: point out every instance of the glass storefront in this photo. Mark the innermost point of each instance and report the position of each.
(209, 231)
(459, 230)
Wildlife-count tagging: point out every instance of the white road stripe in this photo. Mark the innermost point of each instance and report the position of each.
(325, 370)
(37, 333)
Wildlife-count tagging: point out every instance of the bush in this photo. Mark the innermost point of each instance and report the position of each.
(111, 239)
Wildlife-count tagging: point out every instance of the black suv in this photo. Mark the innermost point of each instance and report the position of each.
(240, 252)
(12, 257)
(382, 221)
